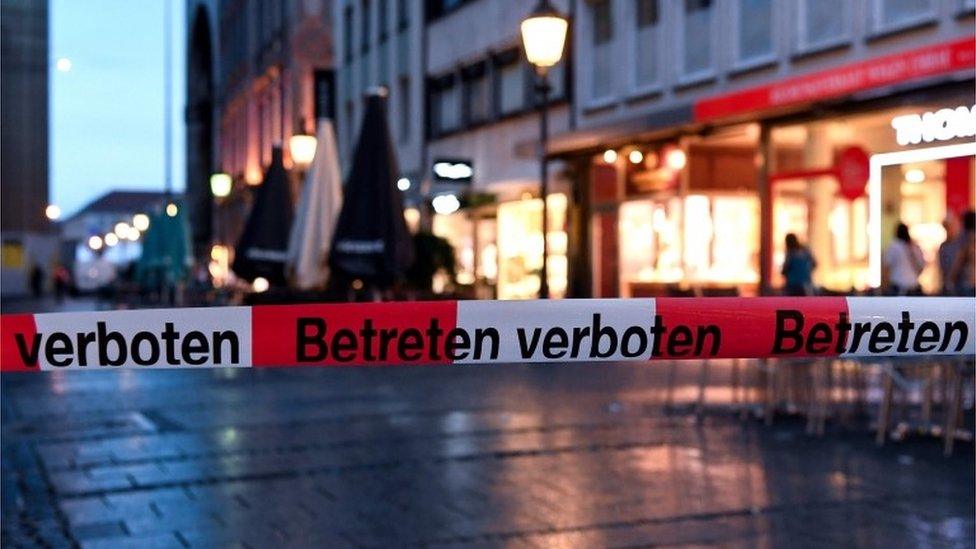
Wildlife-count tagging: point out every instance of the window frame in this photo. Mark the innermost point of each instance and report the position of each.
(878, 28)
(803, 46)
(701, 76)
(740, 64)
(655, 86)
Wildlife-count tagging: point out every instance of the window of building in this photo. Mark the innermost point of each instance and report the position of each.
(382, 19)
(477, 99)
(364, 20)
(602, 37)
(894, 14)
(821, 23)
(347, 41)
(646, 42)
(511, 84)
(696, 42)
(755, 31)
(383, 50)
(403, 14)
(445, 104)
(404, 119)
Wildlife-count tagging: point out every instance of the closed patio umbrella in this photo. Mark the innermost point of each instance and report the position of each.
(263, 246)
(317, 212)
(371, 239)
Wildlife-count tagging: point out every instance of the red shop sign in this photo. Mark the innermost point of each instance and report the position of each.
(873, 73)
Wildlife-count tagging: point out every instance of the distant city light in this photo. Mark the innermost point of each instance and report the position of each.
(635, 156)
(133, 234)
(172, 210)
(302, 148)
(121, 229)
(915, 175)
(53, 212)
(95, 242)
(221, 184)
(111, 239)
(445, 204)
(63, 64)
(140, 221)
(261, 284)
(403, 184)
(609, 156)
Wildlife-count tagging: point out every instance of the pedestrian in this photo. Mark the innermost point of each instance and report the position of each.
(37, 281)
(62, 279)
(798, 267)
(962, 274)
(904, 262)
(947, 253)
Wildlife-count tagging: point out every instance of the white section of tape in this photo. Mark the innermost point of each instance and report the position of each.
(560, 331)
(160, 338)
(934, 326)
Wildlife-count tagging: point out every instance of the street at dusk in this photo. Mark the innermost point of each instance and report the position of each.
(488, 273)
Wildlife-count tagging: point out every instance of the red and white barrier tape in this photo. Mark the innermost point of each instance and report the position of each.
(468, 332)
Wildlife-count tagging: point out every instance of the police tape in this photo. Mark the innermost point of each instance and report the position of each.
(469, 332)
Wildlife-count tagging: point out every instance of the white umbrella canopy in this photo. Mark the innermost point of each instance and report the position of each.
(318, 209)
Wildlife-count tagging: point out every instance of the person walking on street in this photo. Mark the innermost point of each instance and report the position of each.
(962, 273)
(904, 261)
(798, 267)
(947, 253)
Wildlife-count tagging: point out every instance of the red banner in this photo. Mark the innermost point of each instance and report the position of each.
(881, 71)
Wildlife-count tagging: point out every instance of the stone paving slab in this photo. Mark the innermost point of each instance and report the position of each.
(575, 455)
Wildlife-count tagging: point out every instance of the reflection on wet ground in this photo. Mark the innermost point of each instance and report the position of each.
(574, 455)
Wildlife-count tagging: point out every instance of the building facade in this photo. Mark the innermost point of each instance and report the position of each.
(707, 130)
(28, 237)
(258, 72)
(463, 113)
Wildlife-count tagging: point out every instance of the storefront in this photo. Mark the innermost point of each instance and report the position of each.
(705, 208)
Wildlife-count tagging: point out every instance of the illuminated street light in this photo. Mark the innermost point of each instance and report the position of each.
(95, 242)
(221, 184)
(53, 212)
(63, 64)
(121, 229)
(609, 156)
(635, 156)
(403, 184)
(260, 284)
(133, 234)
(140, 221)
(302, 147)
(676, 159)
(111, 239)
(172, 210)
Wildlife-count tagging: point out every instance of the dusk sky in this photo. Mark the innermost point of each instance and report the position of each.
(107, 111)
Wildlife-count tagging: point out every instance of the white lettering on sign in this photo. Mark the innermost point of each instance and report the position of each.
(941, 125)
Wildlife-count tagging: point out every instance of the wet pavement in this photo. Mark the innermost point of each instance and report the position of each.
(574, 455)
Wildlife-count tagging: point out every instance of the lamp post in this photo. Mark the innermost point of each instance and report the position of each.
(302, 148)
(543, 38)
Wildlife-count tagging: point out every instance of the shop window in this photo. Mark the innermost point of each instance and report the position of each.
(696, 39)
(602, 65)
(821, 23)
(519, 252)
(458, 229)
(512, 83)
(754, 42)
(646, 42)
(895, 14)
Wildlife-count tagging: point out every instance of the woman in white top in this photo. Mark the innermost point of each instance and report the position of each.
(904, 262)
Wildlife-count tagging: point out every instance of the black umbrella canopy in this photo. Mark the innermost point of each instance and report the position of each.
(371, 240)
(263, 246)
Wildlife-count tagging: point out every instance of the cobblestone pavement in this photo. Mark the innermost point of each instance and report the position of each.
(574, 455)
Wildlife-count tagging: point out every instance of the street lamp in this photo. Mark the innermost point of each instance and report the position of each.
(543, 38)
(302, 148)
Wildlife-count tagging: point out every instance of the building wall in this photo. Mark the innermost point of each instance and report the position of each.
(24, 56)
(608, 89)
(367, 57)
